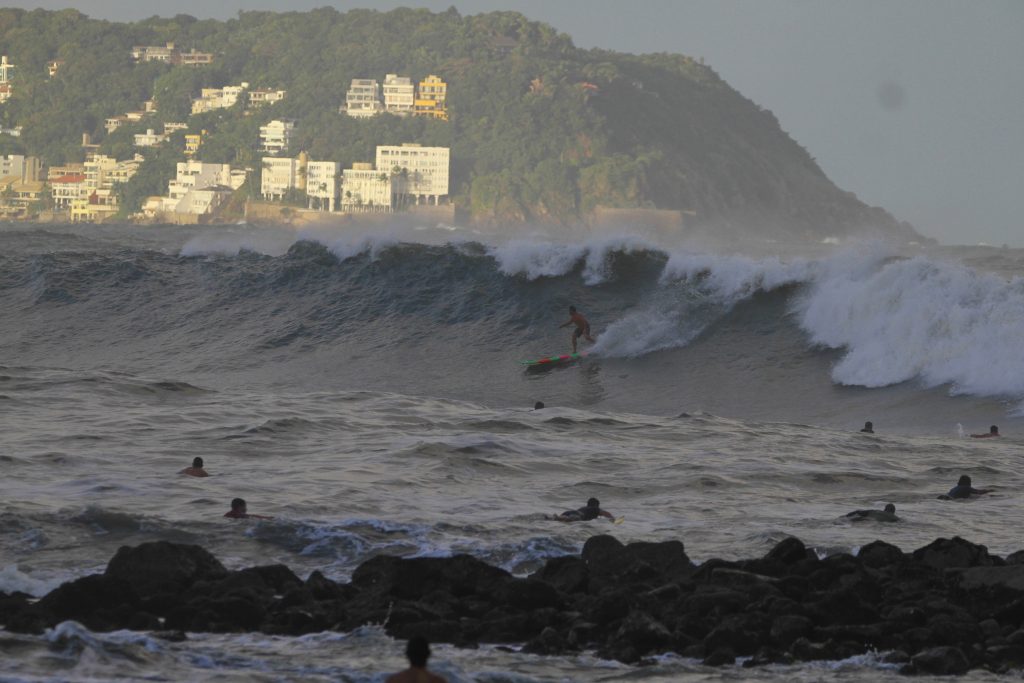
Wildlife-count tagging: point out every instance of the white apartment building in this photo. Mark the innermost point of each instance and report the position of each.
(399, 94)
(198, 188)
(26, 169)
(420, 174)
(365, 190)
(149, 139)
(6, 70)
(323, 181)
(262, 96)
(6, 74)
(276, 136)
(279, 175)
(67, 188)
(218, 98)
(363, 98)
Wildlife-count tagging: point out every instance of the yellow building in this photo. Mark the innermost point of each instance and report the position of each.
(193, 142)
(432, 98)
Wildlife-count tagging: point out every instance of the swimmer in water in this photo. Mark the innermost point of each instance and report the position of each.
(963, 489)
(239, 510)
(585, 514)
(868, 428)
(196, 470)
(418, 652)
(992, 431)
(886, 515)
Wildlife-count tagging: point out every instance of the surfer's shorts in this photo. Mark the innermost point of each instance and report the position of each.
(580, 332)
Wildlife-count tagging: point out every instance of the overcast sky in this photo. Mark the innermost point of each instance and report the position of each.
(914, 105)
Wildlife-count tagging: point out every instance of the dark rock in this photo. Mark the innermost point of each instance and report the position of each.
(566, 574)
(277, 577)
(788, 627)
(788, 551)
(89, 600)
(895, 657)
(947, 630)
(721, 657)
(709, 598)
(734, 638)
(549, 642)
(1009, 578)
(879, 554)
(1002, 658)
(946, 553)
(323, 588)
(611, 564)
(643, 633)
(527, 594)
(806, 651)
(768, 655)
(1015, 558)
(940, 661)
(460, 575)
(163, 566)
(667, 558)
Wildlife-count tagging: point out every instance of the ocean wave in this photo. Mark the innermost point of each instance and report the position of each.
(919, 319)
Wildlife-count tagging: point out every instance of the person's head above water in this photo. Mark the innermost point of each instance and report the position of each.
(868, 426)
(572, 309)
(238, 504)
(964, 480)
(418, 652)
(993, 429)
(890, 508)
(593, 503)
(538, 405)
(197, 463)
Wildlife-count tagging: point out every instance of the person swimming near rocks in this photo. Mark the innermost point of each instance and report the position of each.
(592, 510)
(992, 431)
(963, 489)
(239, 510)
(886, 515)
(868, 428)
(196, 470)
(417, 650)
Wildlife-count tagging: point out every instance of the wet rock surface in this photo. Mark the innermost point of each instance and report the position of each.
(941, 610)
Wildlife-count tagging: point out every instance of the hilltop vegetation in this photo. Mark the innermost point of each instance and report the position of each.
(539, 129)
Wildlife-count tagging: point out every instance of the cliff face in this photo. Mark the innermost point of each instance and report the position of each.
(539, 129)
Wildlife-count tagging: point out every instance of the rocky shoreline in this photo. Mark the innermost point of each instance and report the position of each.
(943, 609)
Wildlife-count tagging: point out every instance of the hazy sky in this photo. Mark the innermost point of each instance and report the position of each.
(914, 105)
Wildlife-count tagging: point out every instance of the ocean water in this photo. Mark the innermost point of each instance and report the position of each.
(363, 388)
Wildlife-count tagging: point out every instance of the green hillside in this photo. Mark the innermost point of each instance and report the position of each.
(539, 129)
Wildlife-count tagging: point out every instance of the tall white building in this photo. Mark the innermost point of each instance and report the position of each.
(365, 190)
(26, 169)
(399, 94)
(279, 175)
(420, 174)
(6, 74)
(323, 180)
(363, 98)
(276, 136)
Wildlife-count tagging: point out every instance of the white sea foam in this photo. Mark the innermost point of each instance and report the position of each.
(536, 259)
(936, 322)
(13, 580)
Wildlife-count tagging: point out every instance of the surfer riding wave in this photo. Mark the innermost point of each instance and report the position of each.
(582, 327)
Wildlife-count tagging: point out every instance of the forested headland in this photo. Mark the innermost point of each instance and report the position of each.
(539, 129)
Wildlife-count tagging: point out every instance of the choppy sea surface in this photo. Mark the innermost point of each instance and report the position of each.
(364, 390)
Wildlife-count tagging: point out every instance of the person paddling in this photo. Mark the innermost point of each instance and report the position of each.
(582, 327)
(196, 470)
(418, 652)
(585, 514)
(240, 510)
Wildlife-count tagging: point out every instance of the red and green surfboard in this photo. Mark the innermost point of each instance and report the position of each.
(554, 360)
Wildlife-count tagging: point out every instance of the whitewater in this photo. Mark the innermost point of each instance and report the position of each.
(363, 388)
